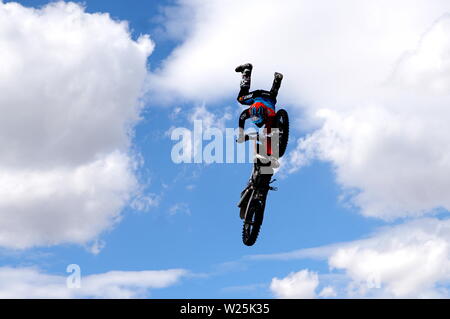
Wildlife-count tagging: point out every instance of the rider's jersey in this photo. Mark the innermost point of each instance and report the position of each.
(257, 99)
(259, 96)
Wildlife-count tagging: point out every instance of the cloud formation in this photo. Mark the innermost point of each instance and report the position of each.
(300, 285)
(410, 260)
(370, 77)
(393, 153)
(371, 81)
(30, 283)
(73, 83)
(406, 261)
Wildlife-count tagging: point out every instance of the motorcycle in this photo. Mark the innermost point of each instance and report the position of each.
(253, 198)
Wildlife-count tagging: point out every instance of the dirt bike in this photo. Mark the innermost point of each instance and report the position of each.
(253, 198)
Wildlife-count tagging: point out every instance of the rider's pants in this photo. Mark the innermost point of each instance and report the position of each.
(246, 82)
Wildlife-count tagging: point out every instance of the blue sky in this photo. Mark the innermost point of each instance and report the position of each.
(195, 224)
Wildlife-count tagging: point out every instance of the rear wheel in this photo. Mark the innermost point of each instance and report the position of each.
(252, 223)
(282, 123)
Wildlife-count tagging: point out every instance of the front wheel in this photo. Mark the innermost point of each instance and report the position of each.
(252, 222)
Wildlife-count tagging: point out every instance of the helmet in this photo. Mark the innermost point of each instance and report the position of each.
(258, 114)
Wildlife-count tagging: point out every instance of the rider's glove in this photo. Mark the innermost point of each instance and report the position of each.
(241, 139)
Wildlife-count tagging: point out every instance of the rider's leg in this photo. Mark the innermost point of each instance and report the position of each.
(278, 78)
(246, 70)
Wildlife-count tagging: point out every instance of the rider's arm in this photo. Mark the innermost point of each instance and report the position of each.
(244, 116)
(246, 99)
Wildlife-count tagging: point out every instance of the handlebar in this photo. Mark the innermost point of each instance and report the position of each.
(255, 136)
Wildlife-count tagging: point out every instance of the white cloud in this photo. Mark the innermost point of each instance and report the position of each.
(309, 42)
(31, 283)
(372, 80)
(370, 76)
(410, 260)
(406, 261)
(145, 202)
(72, 83)
(59, 205)
(319, 253)
(96, 247)
(209, 119)
(300, 285)
(180, 208)
(391, 153)
(328, 292)
(123, 284)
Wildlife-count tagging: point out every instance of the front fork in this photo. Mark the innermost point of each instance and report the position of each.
(244, 197)
(251, 193)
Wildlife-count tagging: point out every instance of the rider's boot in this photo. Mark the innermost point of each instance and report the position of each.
(270, 160)
(274, 162)
(278, 78)
(246, 70)
(243, 67)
